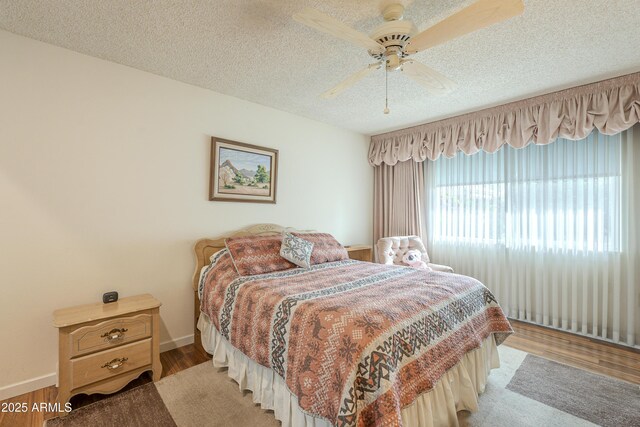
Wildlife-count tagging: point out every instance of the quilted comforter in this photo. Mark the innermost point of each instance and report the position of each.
(355, 342)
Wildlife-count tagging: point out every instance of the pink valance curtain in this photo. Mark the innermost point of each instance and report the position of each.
(611, 106)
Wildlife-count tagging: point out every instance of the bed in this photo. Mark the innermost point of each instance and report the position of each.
(343, 342)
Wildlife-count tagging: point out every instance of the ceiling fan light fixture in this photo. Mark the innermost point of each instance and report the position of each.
(393, 61)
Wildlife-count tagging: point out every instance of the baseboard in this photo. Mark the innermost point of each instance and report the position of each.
(32, 384)
(178, 342)
(27, 386)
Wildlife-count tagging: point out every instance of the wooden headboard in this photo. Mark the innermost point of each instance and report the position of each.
(204, 248)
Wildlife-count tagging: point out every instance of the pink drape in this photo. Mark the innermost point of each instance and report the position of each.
(398, 200)
(611, 106)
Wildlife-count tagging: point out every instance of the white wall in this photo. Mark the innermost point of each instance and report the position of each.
(104, 185)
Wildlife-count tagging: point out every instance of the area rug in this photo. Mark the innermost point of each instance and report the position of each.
(206, 396)
(141, 406)
(525, 391)
(602, 400)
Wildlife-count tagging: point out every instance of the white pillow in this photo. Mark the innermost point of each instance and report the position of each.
(296, 250)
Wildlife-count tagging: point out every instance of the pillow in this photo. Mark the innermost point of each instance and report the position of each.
(325, 248)
(296, 250)
(257, 254)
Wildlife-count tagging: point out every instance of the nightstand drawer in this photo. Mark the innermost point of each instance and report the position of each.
(109, 363)
(110, 333)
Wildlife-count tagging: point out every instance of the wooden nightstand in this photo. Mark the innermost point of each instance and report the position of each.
(360, 252)
(102, 347)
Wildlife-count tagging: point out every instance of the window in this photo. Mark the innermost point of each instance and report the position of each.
(551, 230)
(564, 197)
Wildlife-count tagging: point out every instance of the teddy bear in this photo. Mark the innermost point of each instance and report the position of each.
(413, 258)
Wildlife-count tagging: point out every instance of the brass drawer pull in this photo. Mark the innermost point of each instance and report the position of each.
(114, 334)
(115, 363)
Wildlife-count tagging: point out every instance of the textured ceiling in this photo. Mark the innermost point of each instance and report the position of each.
(254, 50)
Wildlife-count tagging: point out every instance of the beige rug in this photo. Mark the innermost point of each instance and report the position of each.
(206, 396)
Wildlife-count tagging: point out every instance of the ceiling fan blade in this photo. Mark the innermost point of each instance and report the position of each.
(434, 82)
(480, 14)
(325, 23)
(351, 80)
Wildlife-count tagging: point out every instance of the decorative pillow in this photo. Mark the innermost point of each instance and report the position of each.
(296, 250)
(325, 248)
(257, 254)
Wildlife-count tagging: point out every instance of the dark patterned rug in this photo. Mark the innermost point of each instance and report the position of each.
(140, 406)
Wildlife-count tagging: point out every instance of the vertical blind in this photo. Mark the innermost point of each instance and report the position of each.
(551, 230)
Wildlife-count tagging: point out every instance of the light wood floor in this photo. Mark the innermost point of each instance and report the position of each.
(592, 355)
(581, 352)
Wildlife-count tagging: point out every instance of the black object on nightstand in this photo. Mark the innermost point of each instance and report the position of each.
(110, 297)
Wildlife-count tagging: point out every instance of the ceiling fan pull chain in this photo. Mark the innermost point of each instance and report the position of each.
(386, 91)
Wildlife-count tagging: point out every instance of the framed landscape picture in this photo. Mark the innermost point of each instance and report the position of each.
(242, 172)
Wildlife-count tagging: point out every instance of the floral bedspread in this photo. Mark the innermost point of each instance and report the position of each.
(355, 342)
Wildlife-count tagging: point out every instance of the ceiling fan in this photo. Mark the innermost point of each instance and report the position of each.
(395, 40)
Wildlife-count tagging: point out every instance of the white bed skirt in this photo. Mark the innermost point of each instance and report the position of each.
(457, 390)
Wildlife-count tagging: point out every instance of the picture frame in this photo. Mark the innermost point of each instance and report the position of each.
(242, 172)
